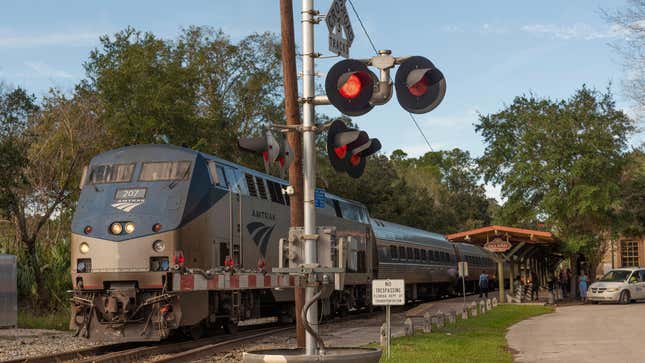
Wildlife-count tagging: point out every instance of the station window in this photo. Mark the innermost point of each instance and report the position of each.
(629, 253)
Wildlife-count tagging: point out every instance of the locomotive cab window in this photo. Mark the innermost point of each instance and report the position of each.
(116, 173)
(217, 175)
(165, 171)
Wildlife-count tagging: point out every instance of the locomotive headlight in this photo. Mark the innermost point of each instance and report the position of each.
(158, 246)
(84, 248)
(129, 227)
(116, 228)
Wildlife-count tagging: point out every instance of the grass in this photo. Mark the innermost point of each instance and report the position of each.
(57, 320)
(479, 339)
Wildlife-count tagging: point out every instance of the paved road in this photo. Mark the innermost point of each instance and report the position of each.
(582, 333)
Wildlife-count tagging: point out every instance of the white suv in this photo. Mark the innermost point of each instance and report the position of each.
(622, 285)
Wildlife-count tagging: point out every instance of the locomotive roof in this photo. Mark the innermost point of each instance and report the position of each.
(162, 152)
(398, 232)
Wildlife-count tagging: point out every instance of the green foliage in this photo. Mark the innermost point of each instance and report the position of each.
(558, 161)
(439, 191)
(201, 90)
(57, 319)
(480, 339)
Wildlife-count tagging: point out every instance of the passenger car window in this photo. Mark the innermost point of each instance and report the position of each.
(164, 171)
(116, 173)
(393, 252)
(401, 252)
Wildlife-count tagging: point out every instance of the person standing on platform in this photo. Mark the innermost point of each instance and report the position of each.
(535, 287)
(483, 284)
(582, 285)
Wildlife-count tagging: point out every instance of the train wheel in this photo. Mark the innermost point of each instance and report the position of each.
(196, 331)
(230, 327)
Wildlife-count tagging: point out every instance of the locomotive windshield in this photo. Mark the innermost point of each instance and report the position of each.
(117, 173)
(164, 171)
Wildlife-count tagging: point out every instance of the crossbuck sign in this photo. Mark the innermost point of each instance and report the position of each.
(388, 292)
(341, 34)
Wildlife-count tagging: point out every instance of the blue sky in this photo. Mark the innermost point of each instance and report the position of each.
(489, 51)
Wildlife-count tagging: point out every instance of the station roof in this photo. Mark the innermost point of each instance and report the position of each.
(514, 235)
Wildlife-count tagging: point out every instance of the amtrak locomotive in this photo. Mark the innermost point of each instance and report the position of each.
(146, 211)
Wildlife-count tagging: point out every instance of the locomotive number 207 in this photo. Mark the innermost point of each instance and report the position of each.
(138, 193)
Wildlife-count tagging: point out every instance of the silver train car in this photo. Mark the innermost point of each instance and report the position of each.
(146, 211)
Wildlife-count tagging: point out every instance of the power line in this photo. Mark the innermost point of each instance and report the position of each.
(363, 26)
(360, 21)
(421, 131)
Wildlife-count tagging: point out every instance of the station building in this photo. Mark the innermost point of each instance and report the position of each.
(623, 252)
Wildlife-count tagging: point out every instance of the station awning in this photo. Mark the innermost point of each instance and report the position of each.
(513, 235)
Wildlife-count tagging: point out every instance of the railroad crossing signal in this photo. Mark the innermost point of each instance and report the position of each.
(349, 86)
(270, 149)
(349, 148)
(354, 90)
(420, 86)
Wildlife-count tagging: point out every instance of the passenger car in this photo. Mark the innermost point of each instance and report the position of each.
(622, 285)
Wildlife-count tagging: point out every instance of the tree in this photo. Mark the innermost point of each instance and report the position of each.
(559, 161)
(631, 22)
(630, 211)
(42, 151)
(201, 90)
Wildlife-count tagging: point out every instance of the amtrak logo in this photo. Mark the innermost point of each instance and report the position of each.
(128, 205)
(260, 234)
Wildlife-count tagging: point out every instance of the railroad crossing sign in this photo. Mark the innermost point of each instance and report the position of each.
(341, 34)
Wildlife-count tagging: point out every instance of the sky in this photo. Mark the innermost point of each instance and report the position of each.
(489, 51)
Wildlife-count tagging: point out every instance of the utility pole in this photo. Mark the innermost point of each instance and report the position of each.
(292, 112)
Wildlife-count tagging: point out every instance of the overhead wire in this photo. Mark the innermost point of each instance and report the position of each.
(360, 21)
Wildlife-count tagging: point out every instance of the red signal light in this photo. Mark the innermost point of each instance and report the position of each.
(419, 88)
(355, 160)
(352, 87)
(156, 227)
(341, 151)
(88, 229)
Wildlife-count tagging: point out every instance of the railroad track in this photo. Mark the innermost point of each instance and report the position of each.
(169, 351)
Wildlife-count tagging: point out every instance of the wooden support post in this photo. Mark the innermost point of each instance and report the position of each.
(292, 112)
(511, 264)
(500, 278)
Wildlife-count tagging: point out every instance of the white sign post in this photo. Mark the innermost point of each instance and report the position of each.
(388, 293)
(463, 273)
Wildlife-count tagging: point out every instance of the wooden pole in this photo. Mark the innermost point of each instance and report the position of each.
(292, 113)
